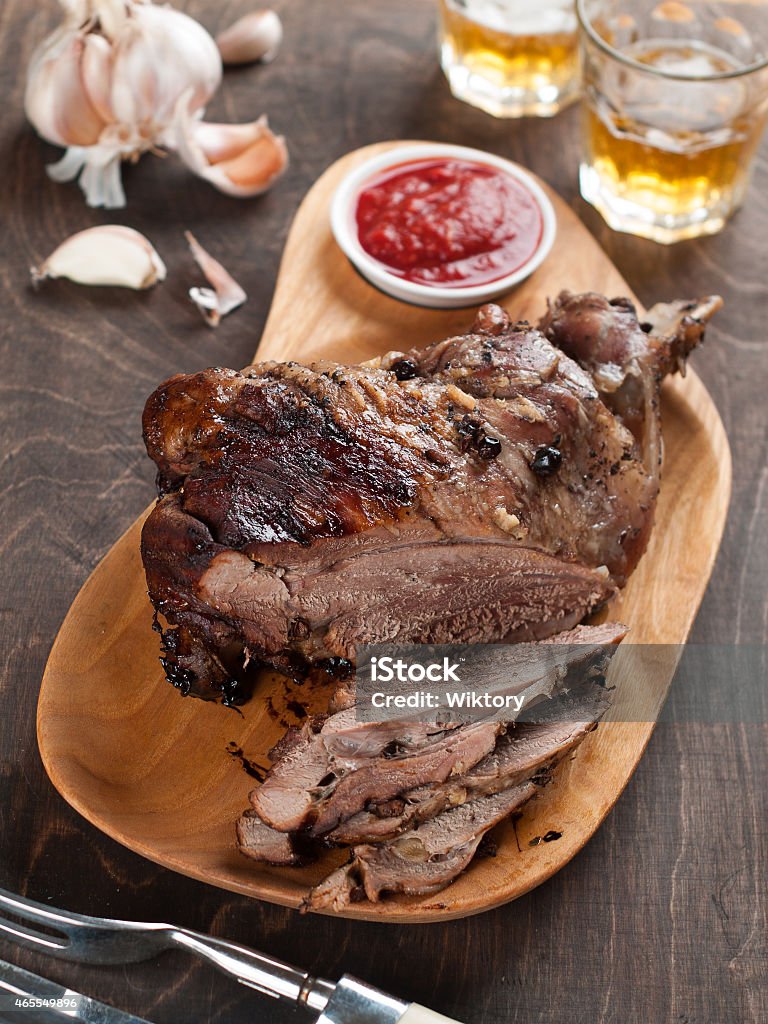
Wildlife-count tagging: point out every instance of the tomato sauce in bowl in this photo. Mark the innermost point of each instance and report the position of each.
(448, 222)
(441, 225)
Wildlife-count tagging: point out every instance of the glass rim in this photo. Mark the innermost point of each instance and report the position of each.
(717, 76)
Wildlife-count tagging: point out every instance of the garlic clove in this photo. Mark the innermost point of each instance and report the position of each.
(77, 11)
(160, 54)
(255, 169)
(96, 74)
(257, 36)
(225, 293)
(112, 14)
(226, 141)
(110, 254)
(56, 100)
(239, 160)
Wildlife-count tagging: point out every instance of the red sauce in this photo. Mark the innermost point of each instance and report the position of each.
(450, 223)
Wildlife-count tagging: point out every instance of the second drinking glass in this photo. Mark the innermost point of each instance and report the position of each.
(675, 102)
(511, 57)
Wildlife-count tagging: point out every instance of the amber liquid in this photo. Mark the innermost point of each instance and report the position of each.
(514, 63)
(683, 155)
(670, 181)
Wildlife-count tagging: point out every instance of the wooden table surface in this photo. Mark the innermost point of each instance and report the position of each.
(662, 918)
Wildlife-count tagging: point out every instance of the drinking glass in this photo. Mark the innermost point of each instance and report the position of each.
(675, 103)
(511, 57)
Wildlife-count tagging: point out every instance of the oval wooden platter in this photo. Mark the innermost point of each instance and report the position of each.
(157, 772)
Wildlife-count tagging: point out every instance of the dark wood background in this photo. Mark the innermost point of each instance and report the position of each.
(662, 918)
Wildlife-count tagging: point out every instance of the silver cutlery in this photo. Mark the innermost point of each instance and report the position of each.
(30, 999)
(97, 940)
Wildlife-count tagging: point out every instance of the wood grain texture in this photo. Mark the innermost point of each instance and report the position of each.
(663, 916)
(113, 734)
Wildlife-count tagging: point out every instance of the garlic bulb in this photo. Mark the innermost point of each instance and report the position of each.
(107, 83)
(256, 36)
(110, 254)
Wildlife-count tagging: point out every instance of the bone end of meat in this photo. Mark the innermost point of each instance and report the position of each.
(678, 327)
(607, 336)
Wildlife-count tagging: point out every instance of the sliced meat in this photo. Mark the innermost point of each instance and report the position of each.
(527, 670)
(422, 860)
(261, 843)
(291, 800)
(527, 750)
(382, 778)
(286, 797)
(309, 762)
(327, 772)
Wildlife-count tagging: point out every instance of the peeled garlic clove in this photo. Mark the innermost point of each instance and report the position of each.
(240, 160)
(225, 293)
(257, 36)
(110, 254)
(225, 141)
(254, 170)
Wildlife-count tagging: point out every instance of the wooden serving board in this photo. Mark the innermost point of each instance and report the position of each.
(155, 771)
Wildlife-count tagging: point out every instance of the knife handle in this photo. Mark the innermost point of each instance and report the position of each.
(355, 1002)
(416, 1014)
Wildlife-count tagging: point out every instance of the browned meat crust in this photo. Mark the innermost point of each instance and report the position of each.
(488, 487)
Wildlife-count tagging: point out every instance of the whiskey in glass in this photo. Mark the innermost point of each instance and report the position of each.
(511, 58)
(675, 103)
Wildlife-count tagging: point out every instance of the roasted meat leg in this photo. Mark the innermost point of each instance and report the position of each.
(495, 486)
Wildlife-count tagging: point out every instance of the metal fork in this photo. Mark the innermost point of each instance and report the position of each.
(98, 940)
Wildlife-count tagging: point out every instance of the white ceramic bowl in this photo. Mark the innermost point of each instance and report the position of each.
(343, 224)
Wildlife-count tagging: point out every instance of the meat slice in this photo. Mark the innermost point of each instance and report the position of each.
(329, 771)
(318, 804)
(464, 591)
(432, 836)
(494, 486)
(384, 778)
(369, 793)
(287, 795)
(309, 762)
(261, 843)
(526, 751)
(422, 860)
